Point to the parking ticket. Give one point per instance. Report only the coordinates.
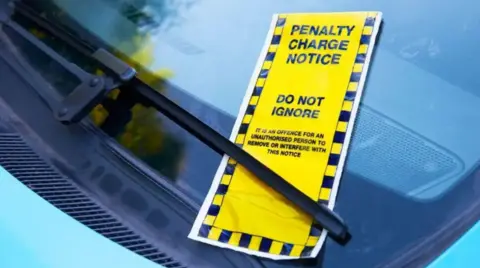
(296, 118)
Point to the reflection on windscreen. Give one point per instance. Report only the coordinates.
(197, 39)
(420, 96)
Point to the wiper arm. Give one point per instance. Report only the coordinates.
(132, 90)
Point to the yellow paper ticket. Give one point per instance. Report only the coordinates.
(296, 118)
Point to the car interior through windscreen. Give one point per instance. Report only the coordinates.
(409, 187)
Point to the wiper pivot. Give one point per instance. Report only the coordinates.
(83, 98)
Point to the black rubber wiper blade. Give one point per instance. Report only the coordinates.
(141, 92)
(321, 214)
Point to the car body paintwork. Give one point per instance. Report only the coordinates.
(35, 234)
(463, 253)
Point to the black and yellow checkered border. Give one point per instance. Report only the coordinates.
(263, 244)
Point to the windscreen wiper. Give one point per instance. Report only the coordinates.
(93, 89)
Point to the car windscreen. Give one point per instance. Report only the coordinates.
(412, 166)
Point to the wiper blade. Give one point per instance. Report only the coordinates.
(132, 90)
(321, 214)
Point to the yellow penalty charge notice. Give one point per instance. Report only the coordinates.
(296, 118)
